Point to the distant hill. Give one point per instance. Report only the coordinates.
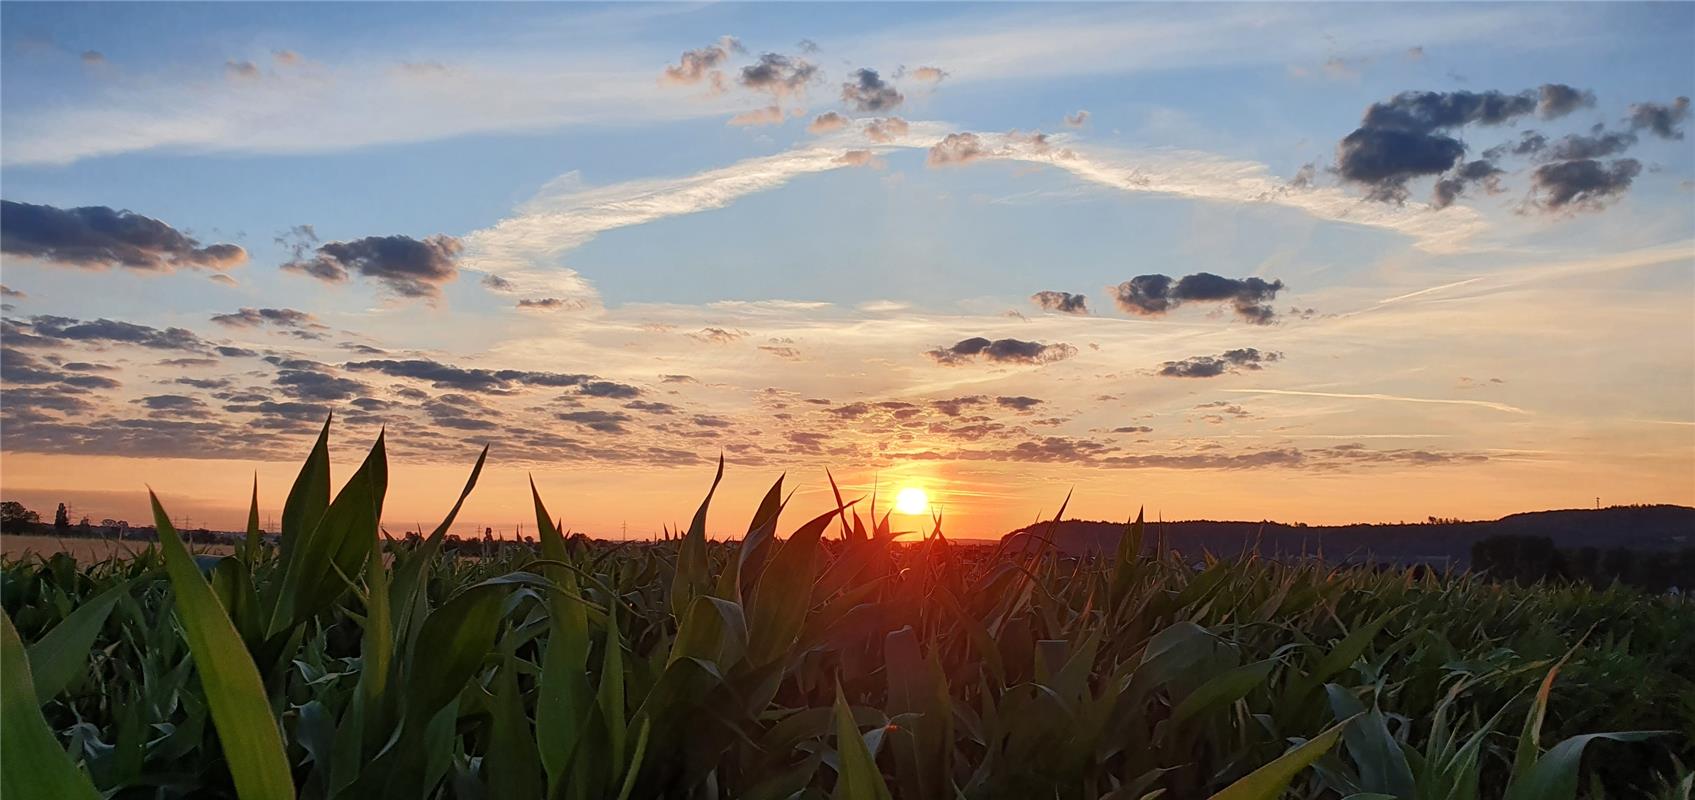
(1640, 528)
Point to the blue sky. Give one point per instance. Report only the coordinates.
(543, 146)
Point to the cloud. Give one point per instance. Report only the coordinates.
(256, 317)
(778, 75)
(603, 421)
(1132, 429)
(241, 70)
(1406, 137)
(447, 376)
(1001, 351)
(312, 382)
(1601, 144)
(1077, 119)
(409, 267)
(1152, 295)
(1018, 402)
(769, 115)
(807, 46)
(99, 237)
(717, 335)
(860, 158)
(287, 58)
(957, 148)
(41, 330)
(547, 304)
(93, 57)
(927, 74)
(887, 129)
(1212, 366)
(1662, 120)
(1583, 185)
(1064, 302)
(827, 122)
(1472, 173)
(869, 93)
(611, 389)
(1503, 407)
(695, 65)
(7, 291)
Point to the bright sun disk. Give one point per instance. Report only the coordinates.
(912, 500)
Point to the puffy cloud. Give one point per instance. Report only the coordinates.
(1584, 184)
(1598, 145)
(1077, 119)
(1149, 295)
(1248, 358)
(313, 382)
(827, 122)
(928, 74)
(409, 267)
(957, 148)
(241, 70)
(256, 317)
(287, 58)
(100, 237)
(171, 403)
(1450, 187)
(870, 93)
(93, 57)
(1407, 137)
(547, 304)
(695, 65)
(1064, 302)
(1001, 351)
(1662, 120)
(1018, 402)
(7, 291)
(779, 75)
(1529, 143)
(886, 129)
(717, 335)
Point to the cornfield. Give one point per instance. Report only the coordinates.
(833, 662)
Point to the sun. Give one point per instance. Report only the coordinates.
(912, 500)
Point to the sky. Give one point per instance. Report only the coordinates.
(1316, 263)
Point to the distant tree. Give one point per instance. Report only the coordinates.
(61, 519)
(84, 524)
(14, 518)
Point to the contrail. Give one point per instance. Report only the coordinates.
(1480, 403)
(1410, 295)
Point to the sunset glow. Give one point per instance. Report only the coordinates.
(912, 500)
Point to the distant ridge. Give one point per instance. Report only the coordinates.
(1647, 528)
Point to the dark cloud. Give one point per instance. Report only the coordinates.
(1148, 295)
(171, 403)
(255, 317)
(1450, 187)
(807, 46)
(1078, 119)
(1001, 351)
(241, 70)
(651, 407)
(779, 75)
(1212, 366)
(1133, 429)
(954, 406)
(1556, 100)
(90, 382)
(677, 379)
(1529, 143)
(99, 237)
(409, 267)
(1584, 184)
(1408, 136)
(543, 303)
(316, 383)
(447, 376)
(204, 383)
(868, 92)
(42, 330)
(1662, 120)
(603, 421)
(1600, 144)
(1064, 302)
(7, 291)
(497, 283)
(610, 389)
(236, 352)
(1017, 402)
(717, 335)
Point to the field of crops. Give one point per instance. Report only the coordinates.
(827, 662)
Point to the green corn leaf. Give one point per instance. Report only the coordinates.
(326, 557)
(1223, 689)
(452, 643)
(255, 537)
(35, 764)
(241, 712)
(611, 692)
(1269, 781)
(783, 594)
(859, 778)
(1554, 775)
(513, 765)
(691, 578)
(62, 655)
(310, 495)
(564, 699)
